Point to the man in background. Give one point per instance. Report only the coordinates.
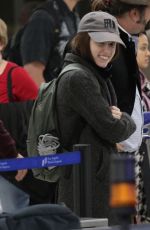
(132, 16)
(45, 37)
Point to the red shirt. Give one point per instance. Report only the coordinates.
(23, 87)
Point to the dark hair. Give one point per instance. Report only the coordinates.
(80, 45)
(115, 7)
(75, 45)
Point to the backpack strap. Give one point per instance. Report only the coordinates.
(9, 84)
(72, 66)
(67, 68)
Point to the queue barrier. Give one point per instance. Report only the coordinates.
(80, 158)
(60, 159)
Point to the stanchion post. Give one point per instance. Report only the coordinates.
(82, 182)
(123, 191)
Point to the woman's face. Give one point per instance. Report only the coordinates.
(143, 53)
(140, 19)
(102, 52)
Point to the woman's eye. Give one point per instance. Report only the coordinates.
(143, 48)
(112, 44)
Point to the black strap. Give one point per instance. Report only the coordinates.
(9, 84)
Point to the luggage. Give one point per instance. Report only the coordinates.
(40, 217)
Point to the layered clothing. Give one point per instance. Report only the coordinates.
(84, 98)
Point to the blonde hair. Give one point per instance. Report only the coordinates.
(3, 33)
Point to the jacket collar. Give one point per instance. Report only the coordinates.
(103, 72)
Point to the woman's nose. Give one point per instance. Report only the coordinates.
(106, 48)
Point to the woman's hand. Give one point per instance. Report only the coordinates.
(120, 147)
(116, 113)
(21, 173)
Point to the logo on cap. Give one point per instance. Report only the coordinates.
(108, 23)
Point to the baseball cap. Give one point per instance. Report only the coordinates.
(137, 2)
(101, 27)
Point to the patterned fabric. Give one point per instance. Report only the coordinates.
(145, 84)
(141, 207)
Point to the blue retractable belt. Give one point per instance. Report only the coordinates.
(69, 158)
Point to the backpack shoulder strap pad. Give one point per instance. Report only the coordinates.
(72, 66)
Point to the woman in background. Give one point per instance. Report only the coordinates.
(143, 185)
(23, 87)
(16, 117)
(8, 149)
(11, 197)
(143, 60)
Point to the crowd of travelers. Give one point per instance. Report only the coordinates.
(100, 103)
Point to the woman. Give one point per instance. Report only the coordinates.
(23, 87)
(15, 118)
(15, 86)
(142, 169)
(143, 60)
(86, 105)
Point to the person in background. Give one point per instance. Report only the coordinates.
(23, 87)
(11, 197)
(12, 49)
(132, 17)
(143, 60)
(8, 149)
(87, 107)
(43, 41)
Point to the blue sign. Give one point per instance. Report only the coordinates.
(61, 159)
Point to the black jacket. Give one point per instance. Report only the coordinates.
(125, 75)
(84, 98)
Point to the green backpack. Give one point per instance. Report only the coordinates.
(43, 123)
